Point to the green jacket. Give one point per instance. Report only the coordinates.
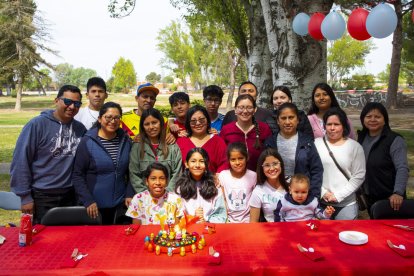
(138, 165)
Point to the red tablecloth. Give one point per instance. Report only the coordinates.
(259, 248)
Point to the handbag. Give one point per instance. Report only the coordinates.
(359, 193)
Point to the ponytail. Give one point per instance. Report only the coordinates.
(257, 144)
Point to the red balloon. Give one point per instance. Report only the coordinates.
(356, 24)
(314, 26)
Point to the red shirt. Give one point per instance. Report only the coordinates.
(215, 148)
(232, 133)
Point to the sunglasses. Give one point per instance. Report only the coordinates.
(69, 102)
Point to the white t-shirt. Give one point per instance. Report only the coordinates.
(266, 197)
(238, 192)
(87, 117)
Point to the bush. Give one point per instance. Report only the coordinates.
(360, 82)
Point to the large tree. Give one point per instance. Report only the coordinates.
(344, 55)
(153, 77)
(407, 55)
(22, 32)
(123, 76)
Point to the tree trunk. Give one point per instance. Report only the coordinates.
(296, 62)
(234, 63)
(19, 92)
(395, 59)
(258, 59)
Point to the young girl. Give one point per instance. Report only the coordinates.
(238, 183)
(150, 206)
(271, 186)
(298, 205)
(197, 188)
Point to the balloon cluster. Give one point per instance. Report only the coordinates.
(362, 24)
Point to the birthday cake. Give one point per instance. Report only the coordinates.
(173, 237)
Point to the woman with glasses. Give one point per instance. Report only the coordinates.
(297, 149)
(153, 148)
(343, 163)
(198, 127)
(271, 186)
(246, 129)
(100, 172)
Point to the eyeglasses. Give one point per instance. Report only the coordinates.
(268, 166)
(243, 108)
(112, 118)
(202, 121)
(213, 100)
(69, 102)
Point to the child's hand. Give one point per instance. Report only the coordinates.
(329, 210)
(199, 213)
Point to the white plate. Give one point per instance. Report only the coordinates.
(353, 237)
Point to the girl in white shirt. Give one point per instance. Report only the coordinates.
(197, 189)
(271, 186)
(237, 183)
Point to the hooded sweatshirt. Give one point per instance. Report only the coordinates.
(44, 155)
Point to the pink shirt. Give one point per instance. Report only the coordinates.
(237, 194)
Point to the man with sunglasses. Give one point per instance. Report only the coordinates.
(42, 163)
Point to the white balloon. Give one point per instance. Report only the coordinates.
(381, 21)
(333, 26)
(300, 24)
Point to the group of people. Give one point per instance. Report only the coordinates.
(249, 165)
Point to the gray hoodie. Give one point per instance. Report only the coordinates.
(44, 155)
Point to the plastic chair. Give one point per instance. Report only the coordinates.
(73, 215)
(382, 210)
(9, 201)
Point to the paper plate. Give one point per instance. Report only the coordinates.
(353, 237)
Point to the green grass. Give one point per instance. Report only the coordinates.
(8, 140)
(7, 216)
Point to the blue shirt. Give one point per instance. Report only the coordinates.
(218, 122)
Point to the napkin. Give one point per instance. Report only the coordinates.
(310, 253)
(132, 229)
(214, 256)
(401, 249)
(38, 228)
(399, 226)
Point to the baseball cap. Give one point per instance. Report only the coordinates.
(147, 87)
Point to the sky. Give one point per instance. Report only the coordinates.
(85, 36)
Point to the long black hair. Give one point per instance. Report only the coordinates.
(186, 186)
(161, 136)
(190, 114)
(261, 177)
(325, 87)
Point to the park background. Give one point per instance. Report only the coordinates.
(184, 45)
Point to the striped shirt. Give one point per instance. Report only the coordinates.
(112, 147)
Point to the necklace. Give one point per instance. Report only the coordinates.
(90, 113)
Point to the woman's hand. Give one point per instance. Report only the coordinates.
(199, 213)
(396, 201)
(329, 197)
(128, 201)
(169, 139)
(92, 210)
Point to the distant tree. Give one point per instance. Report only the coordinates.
(153, 77)
(359, 82)
(22, 32)
(168, 79)
(39, 82)
(175, 44)
(65, 73)
(124, 76)
(384, 76)
(344, 55)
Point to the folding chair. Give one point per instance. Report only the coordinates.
(382, 210)
(73, 215)
(9, 201)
